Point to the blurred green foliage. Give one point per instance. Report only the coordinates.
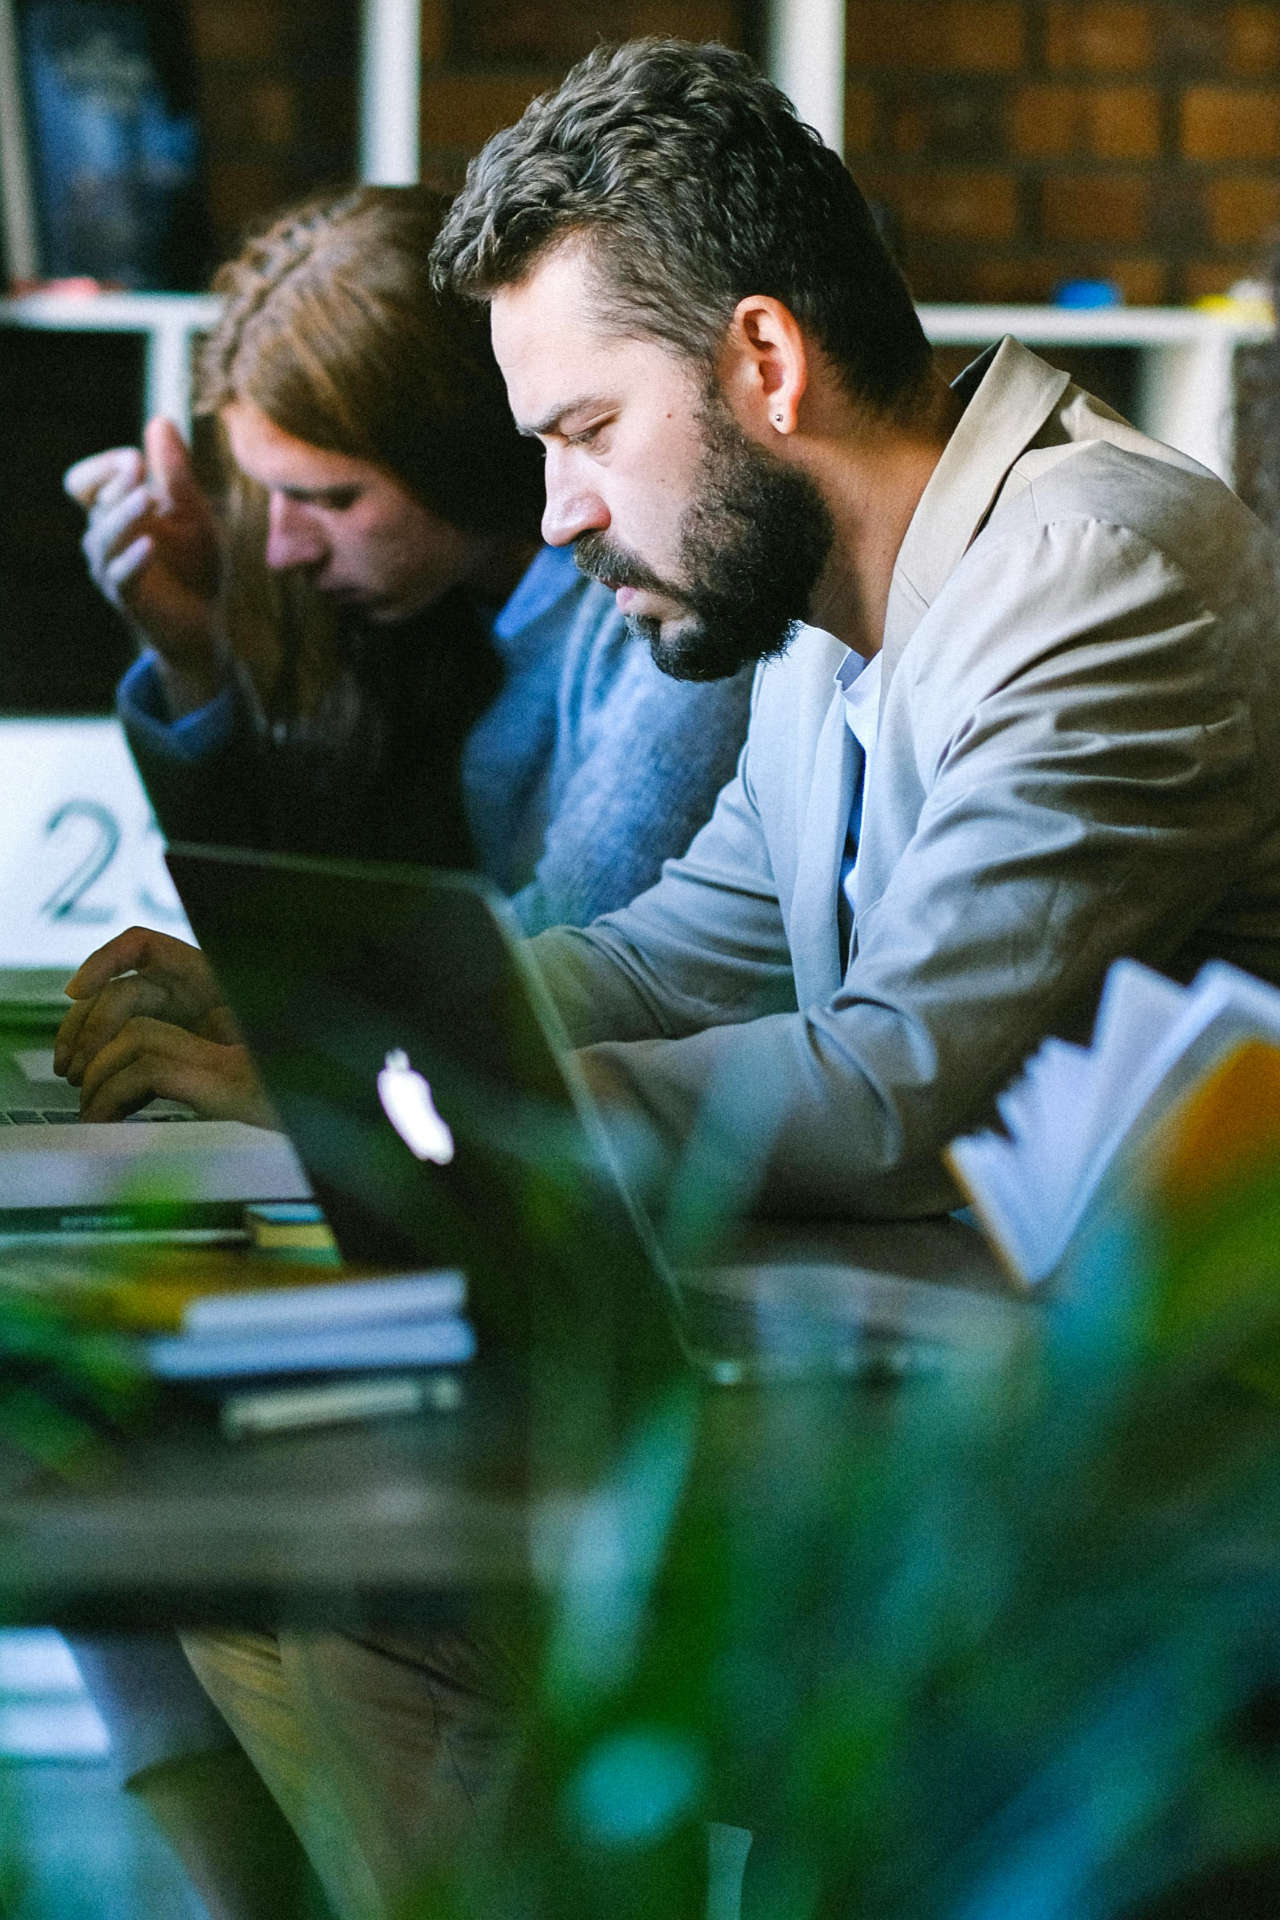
(996, 1643)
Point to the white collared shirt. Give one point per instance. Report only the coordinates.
(859, 682)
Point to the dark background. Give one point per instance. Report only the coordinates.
(1012, 144)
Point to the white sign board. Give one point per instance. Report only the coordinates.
(81, 857)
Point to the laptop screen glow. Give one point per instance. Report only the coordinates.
(81, 857)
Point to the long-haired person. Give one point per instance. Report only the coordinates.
(357, 644)
(354, 642)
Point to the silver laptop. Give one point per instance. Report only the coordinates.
(81, 859)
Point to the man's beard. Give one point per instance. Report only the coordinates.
(752, 547)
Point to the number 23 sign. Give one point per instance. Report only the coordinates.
(80, 854)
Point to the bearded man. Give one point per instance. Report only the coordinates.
(1036, 729)
(1030, 729)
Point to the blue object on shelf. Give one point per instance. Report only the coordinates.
(1088, 293)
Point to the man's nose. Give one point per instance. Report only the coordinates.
(293, 539)
(573, 507)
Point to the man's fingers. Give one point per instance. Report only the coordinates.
(149, 1059)
(121, 1093)
(142, 949)
(118, 468)
(142, 1062)
(127, 951)
(64, 1041)
(140, 970)
(105, 1015)
(127, 479)
(221, 1024)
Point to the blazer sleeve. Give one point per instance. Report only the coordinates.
(1092, 791)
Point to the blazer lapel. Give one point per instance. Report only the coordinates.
(1010, 394)
(813, 929)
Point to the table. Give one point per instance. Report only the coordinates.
(355, 1524)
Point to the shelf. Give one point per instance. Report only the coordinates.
(1185, 388)
(169, 320)
(1087, 326)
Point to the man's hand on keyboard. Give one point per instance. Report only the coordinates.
(150, 1023)
(152, 1059)
(139, 973)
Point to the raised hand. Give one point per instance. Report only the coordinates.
(152, 548)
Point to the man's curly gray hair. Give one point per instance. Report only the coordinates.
(695, 185)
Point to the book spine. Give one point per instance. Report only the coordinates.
(442, 1342)
(333, 1304)
(189, 1224)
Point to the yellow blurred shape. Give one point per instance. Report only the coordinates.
(1225, 1131)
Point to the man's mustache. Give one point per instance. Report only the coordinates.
(599, 559)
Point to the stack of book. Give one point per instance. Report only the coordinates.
(282, 1337)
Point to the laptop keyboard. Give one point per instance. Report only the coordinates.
(60, 1116)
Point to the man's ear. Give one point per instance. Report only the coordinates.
(765, 366)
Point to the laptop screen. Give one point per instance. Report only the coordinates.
(81, 857)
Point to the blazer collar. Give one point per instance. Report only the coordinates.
(1009, 394)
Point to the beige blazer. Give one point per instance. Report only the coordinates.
(1077, 759)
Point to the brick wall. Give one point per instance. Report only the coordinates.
(278, 100)
(1013, 143)
(483, 60)
(1018, 143)
(279, 81)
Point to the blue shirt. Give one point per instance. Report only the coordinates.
(584, 772)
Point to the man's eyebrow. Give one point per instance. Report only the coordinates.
(550, 422)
